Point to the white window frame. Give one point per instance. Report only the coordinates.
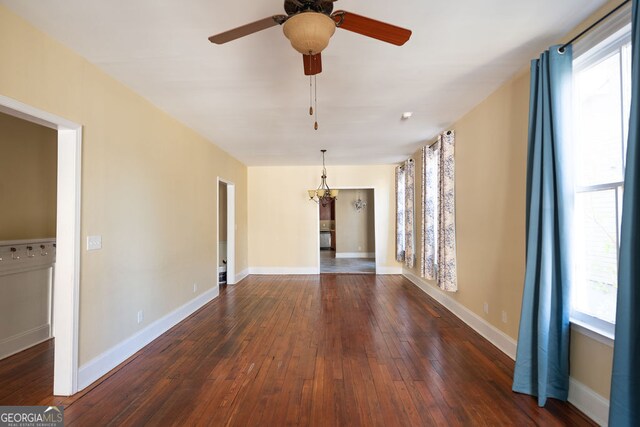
(600, 43)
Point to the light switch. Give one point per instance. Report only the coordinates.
(94, 243)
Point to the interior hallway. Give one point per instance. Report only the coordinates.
(302, 350)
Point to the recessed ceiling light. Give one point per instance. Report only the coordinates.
(407, 115)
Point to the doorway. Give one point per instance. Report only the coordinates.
(66, 278)
(347, 233)
(226, 236)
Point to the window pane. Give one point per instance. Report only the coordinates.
(599, 123)
(595, 289)
(626, 94)
(620, 195)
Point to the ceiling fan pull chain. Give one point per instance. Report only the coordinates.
(315, 80)
(310, 97)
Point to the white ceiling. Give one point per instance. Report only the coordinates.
(251, 98)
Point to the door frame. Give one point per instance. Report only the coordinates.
(375, 222)
(66, 302)
(231, 230)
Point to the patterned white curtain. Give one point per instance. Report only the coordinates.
(409, 196)
(400, 203)
(447, 273)
(438, 261)
(405, 183)
(430, 209)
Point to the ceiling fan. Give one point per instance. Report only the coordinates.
(309, 24)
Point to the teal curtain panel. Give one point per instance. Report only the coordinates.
(624, 409)
(542, 358)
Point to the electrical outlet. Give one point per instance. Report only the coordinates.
(485, 308)
(195, 288)
(94, 243)
(504, 316)
(140, 316)
(359, 248)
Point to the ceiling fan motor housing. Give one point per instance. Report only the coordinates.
(293, 7)
(309, 32)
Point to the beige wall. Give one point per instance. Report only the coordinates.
(355, 231)
(491, 143)
(283, 224)
(28, 165)
(148, 188)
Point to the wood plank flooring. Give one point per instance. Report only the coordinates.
(343, 350)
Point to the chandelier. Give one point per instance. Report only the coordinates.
(323, 194)
(359, 204)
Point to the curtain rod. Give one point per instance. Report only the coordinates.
(561, 49)
(434, 142)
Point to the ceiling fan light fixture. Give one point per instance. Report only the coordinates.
(309, 32)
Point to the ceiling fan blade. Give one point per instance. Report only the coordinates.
(245, 30)
(371, 28)
(312, 64)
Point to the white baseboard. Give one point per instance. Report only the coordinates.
(388, 270)
(16, 343)
(589, 402)
(310, 270)
(284, 270)
(582, 397)
(97, 367)
(355, 255)
(240, 276)
(307, 270)
(498, 338)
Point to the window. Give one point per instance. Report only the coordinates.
(602, 97)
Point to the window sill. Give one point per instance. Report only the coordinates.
(596, 334)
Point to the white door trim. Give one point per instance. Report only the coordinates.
(231, 229)
(66, 303)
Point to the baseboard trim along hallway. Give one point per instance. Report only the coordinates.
(276, 271)
(582, 397)
(16, 343)
(240, 276)
(99, 366)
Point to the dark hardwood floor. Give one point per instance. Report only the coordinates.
(301, 350)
